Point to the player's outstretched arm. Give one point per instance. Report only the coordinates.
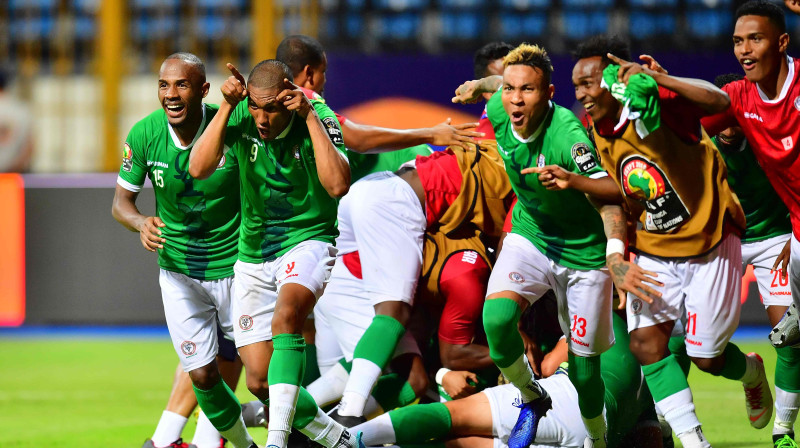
(471, 91)
(555, 178)
(209, 148)
(332, 167)
(124, 210)
(368, 139)
(628, 277)
(704, 94)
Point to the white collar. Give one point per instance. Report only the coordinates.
(177, 142)
(286, 130)
(538, 130)
(786, 84)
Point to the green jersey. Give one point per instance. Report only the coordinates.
(283, 201)
(765, 212)
(563, 225)
(201, 216)
(363, 164)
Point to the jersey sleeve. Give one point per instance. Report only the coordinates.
(331, 124)
(579, 155)
(134, 165)
(234, 128)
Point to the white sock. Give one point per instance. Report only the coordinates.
(786, 406)
(678, 410)
(169, 428)
(363, 377)
(282, 401)
(378, 431)
(751, 371)
(520, 374)
(323, 430)
(372, 409)
(254, 414)
(237, 435)
(595, 427)
(205, 436)
(330, 386)
(694, 438)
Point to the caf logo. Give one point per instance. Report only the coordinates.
(245, 322)
(636, 306)
(516, 277)
(188, 348)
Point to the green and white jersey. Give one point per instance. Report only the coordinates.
(201, 216)
(563, 225)
(283, 201)
(363, 164)
(765, 212)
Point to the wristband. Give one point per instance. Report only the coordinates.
(615, 246)
(440, 375)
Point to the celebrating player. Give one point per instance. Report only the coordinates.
(195, 232)
(557, 241)
(648, 135)
(291, 172)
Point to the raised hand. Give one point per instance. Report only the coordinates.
(294, 99)
(652, 64)
(469, 92)
(150, 233)
(234, 88)
(446, 134)
(628, 69)
(630, 278)
(553, 177)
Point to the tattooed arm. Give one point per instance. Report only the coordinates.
(628, 277)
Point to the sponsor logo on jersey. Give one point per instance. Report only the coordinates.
(636, 306)
(332, 126)
(245, 322)
(127, 156)
(797, 103)
(788, 143)
(221, 162)
(753, 116)
(470, 257)
(157, 163)
(540, 161)
(188, 348)
(289, 267)
(583, 157)
(516, 277)
(646, 182)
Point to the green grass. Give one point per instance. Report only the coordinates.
(87, 393)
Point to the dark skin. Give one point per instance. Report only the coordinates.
(761, 51)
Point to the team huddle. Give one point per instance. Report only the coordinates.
(556, 278)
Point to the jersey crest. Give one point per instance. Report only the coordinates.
(582, 155)
(646, 182)
(332, 126)
(127, 155)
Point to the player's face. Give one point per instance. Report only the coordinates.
(494, 68)
(271, 117)
(586, 77)
(525, 96)
(181, 89)
(731, 137)
(758, 46)
(319, 75)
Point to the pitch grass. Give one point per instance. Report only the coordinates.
(89, 393)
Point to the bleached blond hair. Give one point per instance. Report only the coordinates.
(531, 55)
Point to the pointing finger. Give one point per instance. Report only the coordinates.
(235, 73)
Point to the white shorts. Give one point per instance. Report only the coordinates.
(794, 271)
(193, 308)
(382, 219)
(342, 315)
(584, 297)
(258, 284)
(705, 288)
(562, 426)
(773, 288)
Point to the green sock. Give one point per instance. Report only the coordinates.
(665, 378)
(306, 409)
(380, 340)
(393, 391)
(421, 423)
(584, 372)
(288, 359)
(500, 318)
(677, 346)
(787, 369)
(220, 405)
(312, 369)
(735, 363)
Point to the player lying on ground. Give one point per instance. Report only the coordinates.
(485, 420)
(195, 232)
(292, 169)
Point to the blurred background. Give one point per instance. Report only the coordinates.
(75, 75)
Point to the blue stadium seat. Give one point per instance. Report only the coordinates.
(525, 5)
(709, 23)
(153, 4)
(85, 28)
(31, 29)
(15, 5)
(398, 27)
(522, 26)
(580, 25)
(210, 27)
(86, 6)
(709, 4)
(353, 25)
(594, 4)
(400, 5)
(215, 4)
(646, 24)
(460, 4)
(661, 4)
(463, 25)
(151, 28)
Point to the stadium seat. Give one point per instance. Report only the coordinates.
(32, 28)
(400, 5)
(584, 4)
(525, 5)
(40, 5)
(661, 4)
(460, 4)
(147, 28)
(644, 25)
(514, 26)
(580, 25)
(210, 27)
(705, 24)
(400, 27)
(215, 4)
(154, 4)
(708, 4)
(468, 25)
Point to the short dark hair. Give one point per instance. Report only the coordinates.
(764, 8)
(601, 45)
(532, 56)
(488, 53)
(190, 59)
(727, 78)
(298, 51)
(268, 74)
